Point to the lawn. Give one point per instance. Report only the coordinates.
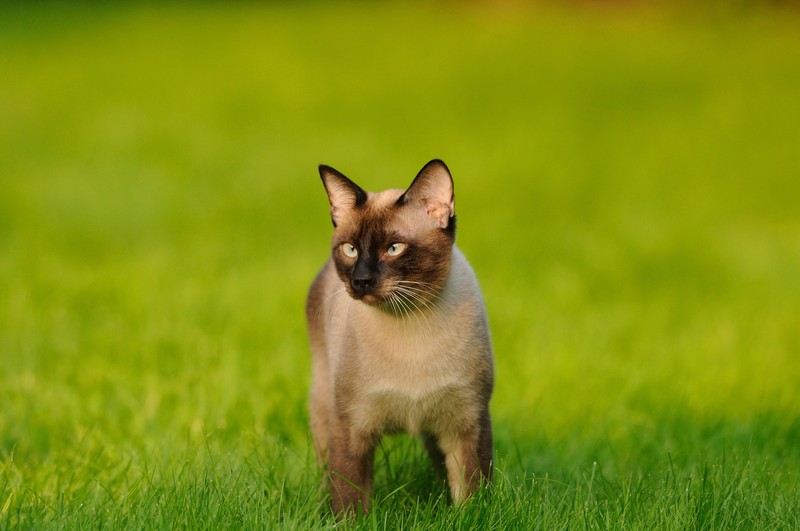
(628, 192)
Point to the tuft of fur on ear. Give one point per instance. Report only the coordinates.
(343, 193)
(432, 190)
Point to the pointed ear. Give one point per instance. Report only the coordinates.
(432, 190)
(343, 193)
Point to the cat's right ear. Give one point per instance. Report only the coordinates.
(343, 193)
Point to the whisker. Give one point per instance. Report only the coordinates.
(396, 307)
(408, 308)
(405, 303)
(324, 302)
(409, 301)
(422, 287)
(423, 296)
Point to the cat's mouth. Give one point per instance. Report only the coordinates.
(398, 302)
(372, 300)
(367, 297)
(366, 292)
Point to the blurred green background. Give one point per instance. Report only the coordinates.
(627, 183)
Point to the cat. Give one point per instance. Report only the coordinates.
(399, 338)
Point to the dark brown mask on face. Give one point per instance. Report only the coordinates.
(393, 249)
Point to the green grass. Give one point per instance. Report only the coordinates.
(627, 190)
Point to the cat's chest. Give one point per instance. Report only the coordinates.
(412, 361)
(410, 385)
(410, 366)
(414, 357)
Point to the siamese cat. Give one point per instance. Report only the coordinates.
(399, 338)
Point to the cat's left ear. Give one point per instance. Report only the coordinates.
(432, 189)
(343, 193)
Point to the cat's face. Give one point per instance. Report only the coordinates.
(393, 249)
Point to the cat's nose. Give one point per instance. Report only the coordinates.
(362, 285)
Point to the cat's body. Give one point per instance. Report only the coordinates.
(399, 337)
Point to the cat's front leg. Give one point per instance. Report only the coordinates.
(351, 457)
(468, 459)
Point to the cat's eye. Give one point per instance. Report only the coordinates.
(395, 249)
(349, 251)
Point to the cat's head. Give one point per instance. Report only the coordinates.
(393, 249)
